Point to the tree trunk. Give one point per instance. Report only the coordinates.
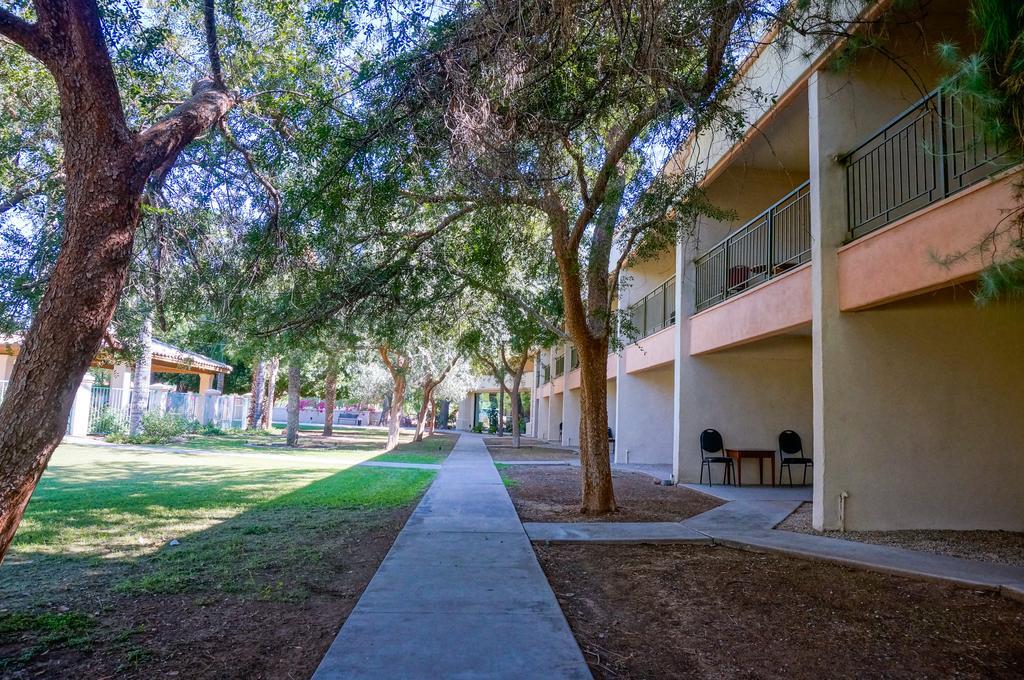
(294, 385)
(106, 167)
(330, 394)
(140, 377)
(395, 412)
(269, 392)
(501, 408)
(421, 415)
(253, 419)
(443, 416)
(517, 378)
(433, 416)
(597, 493)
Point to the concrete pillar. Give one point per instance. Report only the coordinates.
(205, 382)
(464, 419)
(80, 410)
(121, 388)
(209, 411)
(121, 377)
(684, 308)
(158, 394)
(570, 407)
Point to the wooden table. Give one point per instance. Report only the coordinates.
(759, 454)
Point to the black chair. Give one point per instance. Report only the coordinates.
(791, 452)
(711, 443)
(611, 441)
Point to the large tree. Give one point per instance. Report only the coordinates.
(567, 112)
(136, 92)
(106, 167)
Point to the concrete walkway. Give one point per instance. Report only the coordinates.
(460, 594)
(748, 520)
(613, 532)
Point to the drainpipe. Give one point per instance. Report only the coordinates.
(842, 510)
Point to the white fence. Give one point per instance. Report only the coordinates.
(109, 408)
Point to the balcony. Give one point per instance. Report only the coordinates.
(656, 311)
(777, 240)
(930, 151)
(559, 366)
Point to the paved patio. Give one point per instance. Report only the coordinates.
(460, 594)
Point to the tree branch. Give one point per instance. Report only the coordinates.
(581, 170)
(519, 302)
(210, 19)
(616, 151)
(165, 140)
(273, 195)
(23, 34)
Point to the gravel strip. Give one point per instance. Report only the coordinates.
(1000, 547)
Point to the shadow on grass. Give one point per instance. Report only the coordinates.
(96, 537)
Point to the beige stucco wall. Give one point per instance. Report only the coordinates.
(643, 430)
(925, 428)
(749, 394)
(612, 406)
(916, 403)
(571, 418)
(543, 417)
(465, 413)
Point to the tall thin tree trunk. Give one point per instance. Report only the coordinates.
(517, 378)
(442, 417)
(395, 412)
(596, 488)
(421, 415)
(294, 385)
(501, 408)
(433, 416)
(252, 420)
(270, 387)
(330, 393)
(141, 375)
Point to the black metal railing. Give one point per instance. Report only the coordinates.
(547, 374)
(774, 242)
(559, 366)
(656, 311)
(574, 359)
(930, 151)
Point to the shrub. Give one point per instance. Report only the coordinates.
(478, 428)
(157, 428)
(108, 421)
(211, 429)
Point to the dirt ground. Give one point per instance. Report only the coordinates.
(552, 494)
(504, 451)
(208, 635)
(1004, 547)
(664, 611)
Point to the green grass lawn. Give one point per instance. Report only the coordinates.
(348, 443)
(99, 530)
